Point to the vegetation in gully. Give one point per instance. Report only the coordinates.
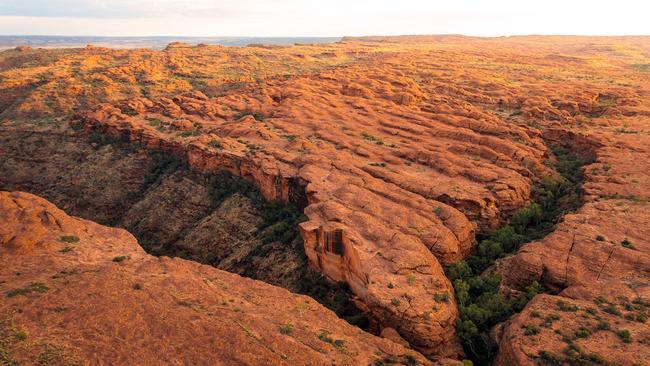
(480, 304)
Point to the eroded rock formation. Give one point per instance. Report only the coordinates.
(71, 288)
(399, 149)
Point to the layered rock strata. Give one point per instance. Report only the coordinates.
(71, 289)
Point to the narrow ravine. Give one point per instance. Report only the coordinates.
(482, 301)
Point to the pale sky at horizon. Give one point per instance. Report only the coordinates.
(296, 18)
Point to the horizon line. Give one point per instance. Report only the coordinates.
(339, 36)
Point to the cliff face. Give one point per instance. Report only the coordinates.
(399, 150)
(71, 288)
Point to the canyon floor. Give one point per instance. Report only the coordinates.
(452, 198)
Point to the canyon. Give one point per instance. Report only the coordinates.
(364, 168)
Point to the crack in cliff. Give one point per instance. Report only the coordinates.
(606, 261)
(566, 265)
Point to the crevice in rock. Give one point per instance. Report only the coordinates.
(568, 258)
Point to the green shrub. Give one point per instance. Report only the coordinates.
(624, 335)
(530, 329)
(602, 325)
(627, 244)
(567, 307)
(582, 333)
(33, 287)
(550, 358)
(286, 329)
(410, 278)
(70, 239)
(441, 297)
(154, 122)
(215, 145)
(368, 137)
(612, 309)
(259, 116)
(410, 360)
(549, 319)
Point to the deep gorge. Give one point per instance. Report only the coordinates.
(482, 301)
(217, 219)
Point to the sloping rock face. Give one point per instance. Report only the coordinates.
(597, 262)
(556, 330)
(71, 288)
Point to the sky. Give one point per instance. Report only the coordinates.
(296, 18)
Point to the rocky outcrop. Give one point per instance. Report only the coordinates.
(557, 330)
(597, 261)
(71, 288)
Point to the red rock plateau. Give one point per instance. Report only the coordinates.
(400, 150)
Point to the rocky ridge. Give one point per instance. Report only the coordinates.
(71, 288)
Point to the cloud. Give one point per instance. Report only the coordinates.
(322, 18)
(117, 9)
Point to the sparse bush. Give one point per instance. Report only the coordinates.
(368, 137)
(602, 325)
(550, 358)
(258, 116)
(20, 335)
(286, 329)
(154, 122)
(624, 335)
(381, 164)
(216, 145)
(70, 239)
(567, 307)
(410, 360)
(410, 278)
(612, 309)
(549, 319)
(33, 287)
(627, 244)
(441, 297)
(530, 329)
(582, 333)
(119, 259)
